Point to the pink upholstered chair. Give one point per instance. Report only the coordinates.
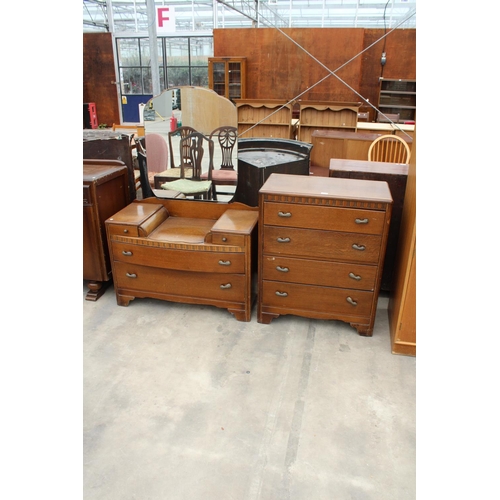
(156, 155)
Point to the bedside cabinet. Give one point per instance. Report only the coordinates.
(105, 191)
(322, 243)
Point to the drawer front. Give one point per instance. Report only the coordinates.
(316, 298)
(123, 229)
(237, 240)
(328, 218)
(182, 260)
(351, 247)
(180, 283)
(318, 272)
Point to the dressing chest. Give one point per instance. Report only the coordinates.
(184, 251)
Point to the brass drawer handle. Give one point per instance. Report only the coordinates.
(358, 247)
(354, 276)
(131, 275)
(283, 240)
(225, 262)
(226, 286)
(281, 294)
(361, 221)
(127, 253)
(282, 269)
(284, 214)
(352, 302)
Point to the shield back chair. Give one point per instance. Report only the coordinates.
(148, 192)
(173, 171)
(225, 175)
(389, 148)
(193, 147)
(155, 153)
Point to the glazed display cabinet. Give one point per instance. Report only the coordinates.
(227, 76)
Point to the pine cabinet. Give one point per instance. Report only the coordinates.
(264, 118)
(327, 116)
(227, 76)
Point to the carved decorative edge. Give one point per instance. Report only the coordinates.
(327, 202)
(203, 247)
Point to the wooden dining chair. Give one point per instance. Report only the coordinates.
(184, 158)
(193, 147)
(225, 175)
(389, 148)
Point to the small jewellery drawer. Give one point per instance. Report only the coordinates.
(123, 230)
(352, 220)
(237, 240)
(188, 260)
(180, 283)
(350, 247)
(317, 272)
(320, 299)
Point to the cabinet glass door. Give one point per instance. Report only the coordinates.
(219, 77)
(234, 74)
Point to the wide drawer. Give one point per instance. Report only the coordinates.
(180, 283)
(319, 272)
(319, 299)
(351, 247)
(182, 260)
(320, 217)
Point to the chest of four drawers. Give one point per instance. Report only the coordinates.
(321, 248)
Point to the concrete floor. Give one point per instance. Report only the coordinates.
(183, 402)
